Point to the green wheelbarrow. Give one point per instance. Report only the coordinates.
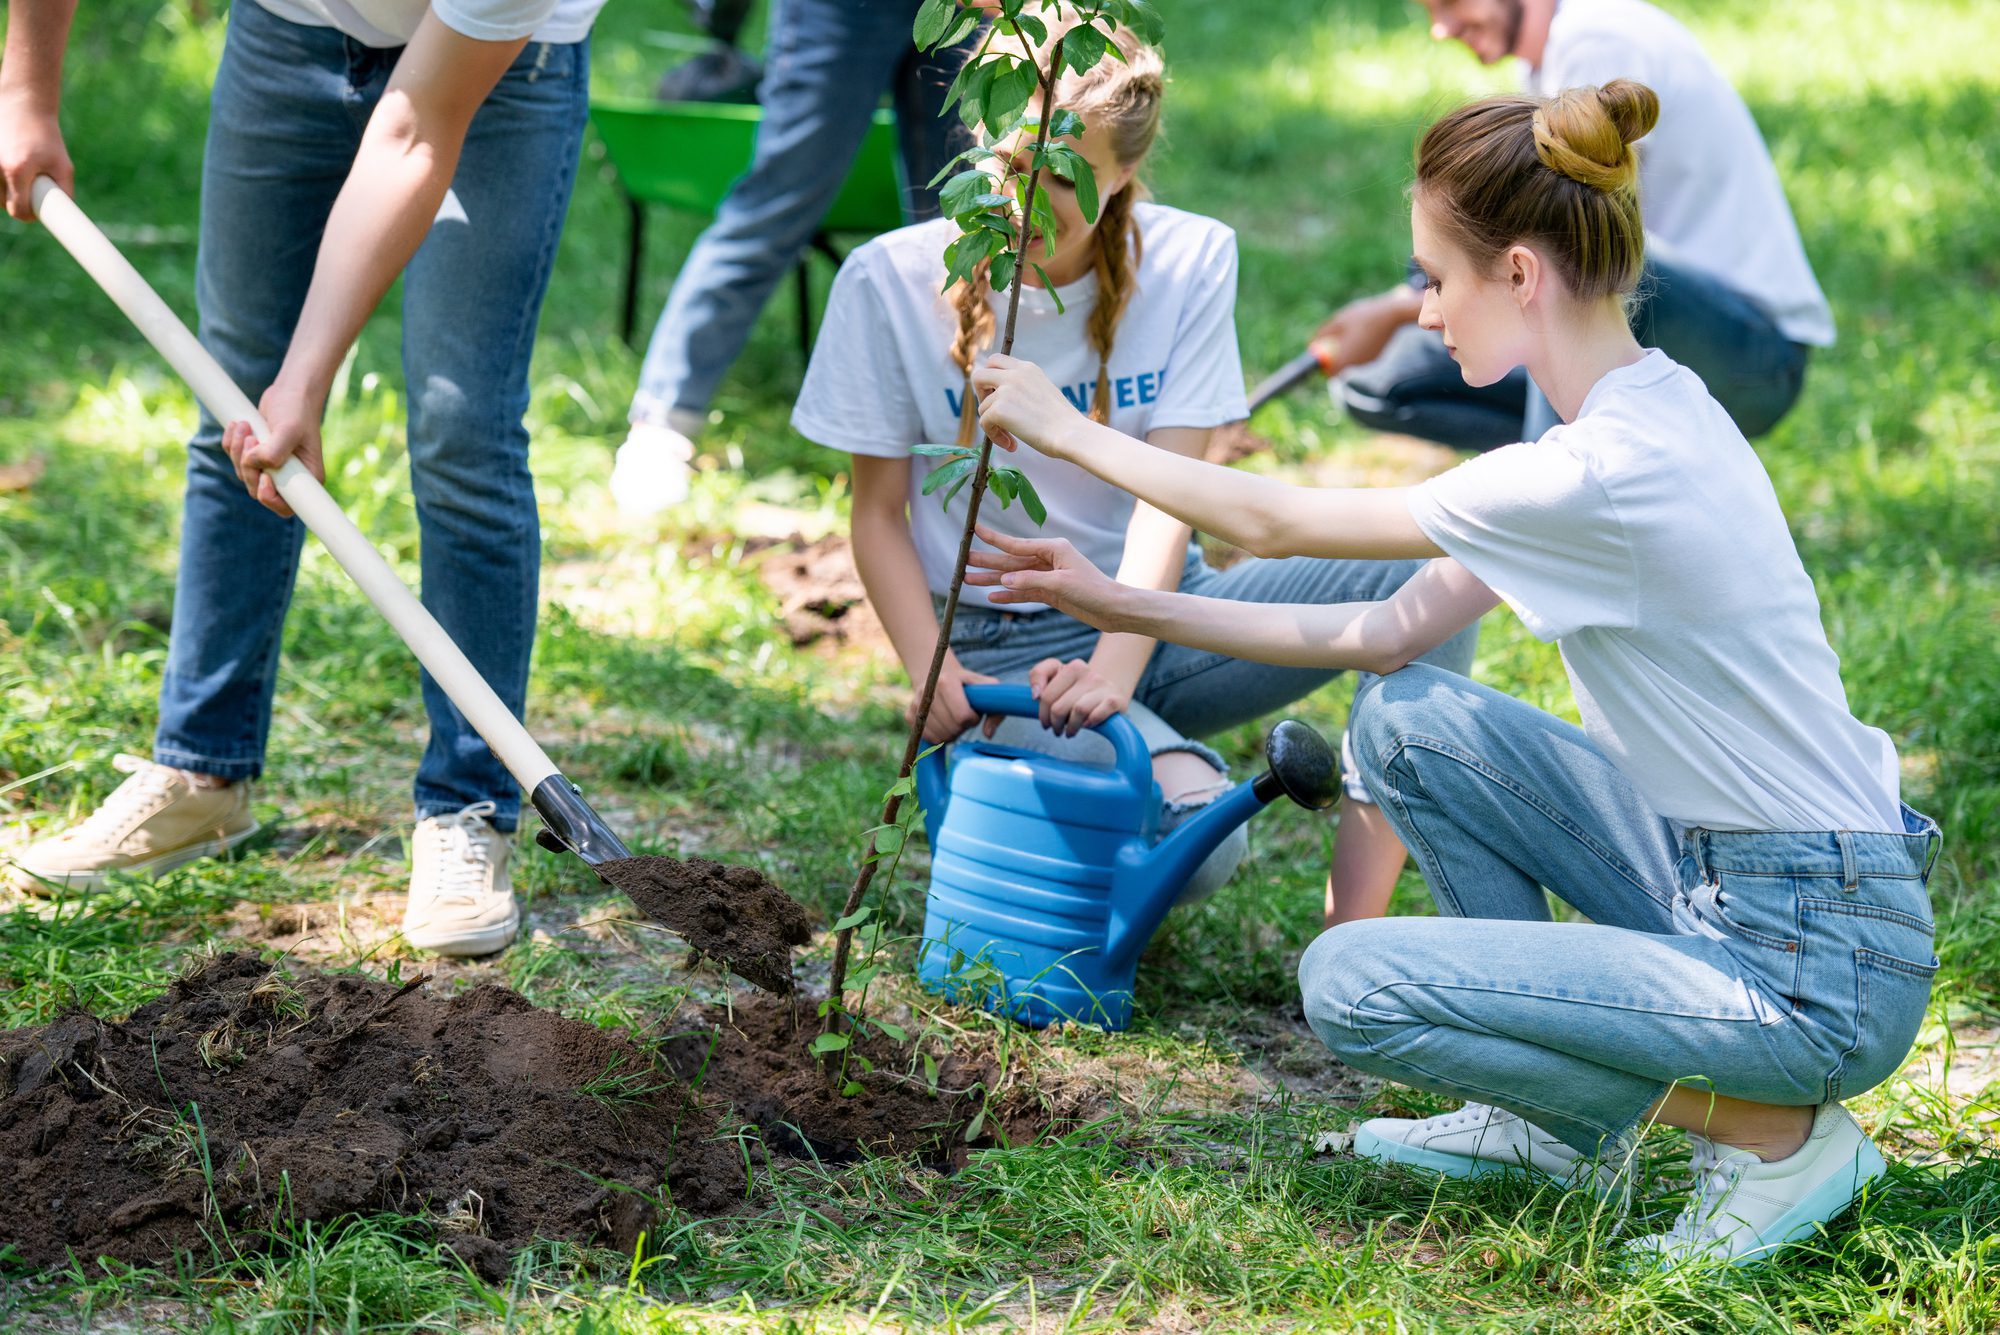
(687, 155)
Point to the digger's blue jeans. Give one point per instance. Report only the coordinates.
(1790, 967)
(288, 110)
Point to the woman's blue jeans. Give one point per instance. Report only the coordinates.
(1789, 968)
(1196, 691)
(289, 106)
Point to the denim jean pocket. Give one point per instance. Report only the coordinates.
(1869, 953)
(1761, 913)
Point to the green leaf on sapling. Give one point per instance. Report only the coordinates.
(1030, 500)
(1001, 483)
(1034, 27)
(1042, 219)
(930, 1071)
(1008, 91)
(860, 978)
(854, 919)
(1003, 271)
(826, 1043)
(1054, 295)
(967, 192)
(1085, 181)
(947, 474)
(894, 1031)
(1084, 46)
(933, 20)
(1064, 124)
(850, 1089)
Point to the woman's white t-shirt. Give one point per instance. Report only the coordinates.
(1645, 539)
(882, 379)
(386, 23)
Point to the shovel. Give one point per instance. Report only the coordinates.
(731, 913)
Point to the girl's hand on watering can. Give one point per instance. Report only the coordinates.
(1074, 695)
(1046, 570)
(1018, 403)
(294, 431)
(951, 714)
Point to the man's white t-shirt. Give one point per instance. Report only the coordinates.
(882, 379)
(1644, 538)
(386, 23)
(1707, 186)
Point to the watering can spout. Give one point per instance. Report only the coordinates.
(1147, 882)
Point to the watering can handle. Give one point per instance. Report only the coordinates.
(1134, 758)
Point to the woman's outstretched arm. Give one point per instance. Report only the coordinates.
(1436, 603)
(1262, 516)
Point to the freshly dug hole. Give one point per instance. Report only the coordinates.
(243, 1097)
(753, 1058)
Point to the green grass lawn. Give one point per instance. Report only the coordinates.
(663, 683)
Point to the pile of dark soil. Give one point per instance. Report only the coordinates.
(754, 1059)
(733, 913)
(243, 1097)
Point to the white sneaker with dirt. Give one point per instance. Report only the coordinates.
(158, 819)
(1479, 1139)
(1742, 1209)
(461, 897)
(652, 470)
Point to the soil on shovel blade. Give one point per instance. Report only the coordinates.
(243, 1097)
(732, 913)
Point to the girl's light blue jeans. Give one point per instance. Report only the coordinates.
(1789, 968)
(1195, 692)
(289, 107)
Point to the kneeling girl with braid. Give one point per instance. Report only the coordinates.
(1759, 943)
(1140, 334)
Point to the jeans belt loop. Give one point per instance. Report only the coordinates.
(1850, 878)
(1701, 855)
(1934, 841)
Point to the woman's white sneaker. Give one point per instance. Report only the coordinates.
(1743, 1209)
(156, 820)
(461, 896)
(1479, 1139)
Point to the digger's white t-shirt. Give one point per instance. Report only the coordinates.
(882, 379)
(1707, 187)
(385, 23)
(1644, 538)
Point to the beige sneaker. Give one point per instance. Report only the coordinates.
(461, 898)
(153, 822)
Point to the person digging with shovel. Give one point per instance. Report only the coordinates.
(348, 144)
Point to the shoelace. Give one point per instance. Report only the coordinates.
(1467, 1116)
(149, 782)
(464, 862)
(1714, 1177)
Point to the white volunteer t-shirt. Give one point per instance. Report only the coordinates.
(1706, 182)
(385, 23)
(1645, 539)
(882, 379)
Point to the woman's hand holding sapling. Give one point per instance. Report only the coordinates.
(1018, 402)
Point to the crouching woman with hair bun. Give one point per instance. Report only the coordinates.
(1760, 943)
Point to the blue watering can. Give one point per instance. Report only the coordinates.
(1046, 882)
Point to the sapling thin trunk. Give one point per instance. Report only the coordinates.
(1045, 78)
